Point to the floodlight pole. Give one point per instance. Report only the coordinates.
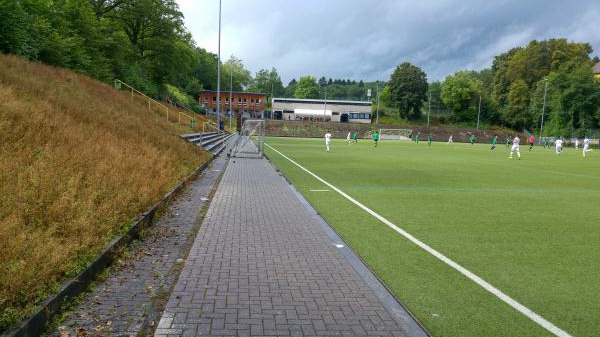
(543, 109)
(219, 73)
(377, 111)
(478, 111)
(230, 96)
(429, 109)
(272, 93)
(325, 106)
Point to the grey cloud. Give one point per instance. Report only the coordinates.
(362, 39)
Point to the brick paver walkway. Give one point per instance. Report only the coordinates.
(130, 301)
(262, 265)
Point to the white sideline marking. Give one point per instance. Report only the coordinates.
(319, 190)
(487, 286)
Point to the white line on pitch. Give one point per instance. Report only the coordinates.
(487, 286)
(319, 190)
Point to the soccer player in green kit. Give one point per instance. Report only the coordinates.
(429, 138)
(473, 139)
(376, 137)
(494, 142)
(418, 137)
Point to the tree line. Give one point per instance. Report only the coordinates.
(141, 42)
(145, 43)
(547, 84)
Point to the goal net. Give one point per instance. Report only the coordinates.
(251, 140)
(395, 134)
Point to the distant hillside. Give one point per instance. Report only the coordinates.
(78, 162)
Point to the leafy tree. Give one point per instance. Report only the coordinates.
(241, 76)
(322, 82)
(22, 27)
(206, 69)
(307, 87)
(102, 7)
(573, 102)
(434, 93)
(408, 89)
(268, 82)
(460, 92)
(290, 88)
(517, 72)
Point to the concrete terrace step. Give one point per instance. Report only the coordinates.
(213, 142)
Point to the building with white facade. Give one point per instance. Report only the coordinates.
(322, 110)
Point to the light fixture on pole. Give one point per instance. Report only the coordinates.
(543, 109)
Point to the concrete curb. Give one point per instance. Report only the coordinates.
(37, 324)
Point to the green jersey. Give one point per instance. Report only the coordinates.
(494, 140)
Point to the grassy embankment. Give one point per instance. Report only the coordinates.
(78, 162)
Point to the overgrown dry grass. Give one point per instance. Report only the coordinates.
(78, 162)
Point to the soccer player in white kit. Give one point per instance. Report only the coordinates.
(450, 140)
(348, 137)
(515, 147)
(327, 140)
(577, 143)
(586, 146)
(558, 145)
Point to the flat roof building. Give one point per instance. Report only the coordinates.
(322, 110)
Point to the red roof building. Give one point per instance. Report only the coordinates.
(245, 104)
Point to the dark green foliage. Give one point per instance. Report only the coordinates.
(408, 89)
(142, 42)
(517, 92)
(307, 88)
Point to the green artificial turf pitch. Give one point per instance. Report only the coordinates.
(530, 227)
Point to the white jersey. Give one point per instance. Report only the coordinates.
(558, 143)
(328, 138)
(586, 145)
(515, 146)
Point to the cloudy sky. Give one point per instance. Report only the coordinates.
(367, 39)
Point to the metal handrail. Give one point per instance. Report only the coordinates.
(207, 124)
